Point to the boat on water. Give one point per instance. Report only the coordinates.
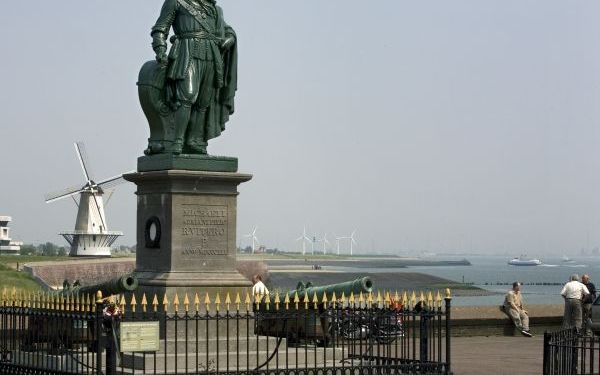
(566, 259)
(524, 261)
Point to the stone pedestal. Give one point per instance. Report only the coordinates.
(186, 232)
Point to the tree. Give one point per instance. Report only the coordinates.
(28, 250)
(62, 252)
(49, 249)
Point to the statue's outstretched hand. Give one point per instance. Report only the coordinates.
(161, 54)
(227, 43)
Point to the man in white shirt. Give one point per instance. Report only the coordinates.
(259, 290)
(573, 293)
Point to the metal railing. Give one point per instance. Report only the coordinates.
(568, 352)
(376, 333)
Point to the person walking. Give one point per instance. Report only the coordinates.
(587, 304)
(513, 306)
(573, 293)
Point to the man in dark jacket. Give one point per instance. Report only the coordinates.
(201, 70)
(587, 304)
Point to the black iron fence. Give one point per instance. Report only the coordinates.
(375, 333)
(568, 352)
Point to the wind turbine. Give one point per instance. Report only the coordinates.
(304, 238)
(325, 243)
(337, 243)
(352, 242)
(254, 239)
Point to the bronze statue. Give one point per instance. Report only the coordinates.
(188, 94)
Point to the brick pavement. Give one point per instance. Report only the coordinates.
(497, 355)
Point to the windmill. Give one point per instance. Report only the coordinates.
(91, 236)
(304, 238)
(254, 239)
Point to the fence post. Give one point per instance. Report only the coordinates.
(574, 350)
(111, 352)
(448, 300)
(546, 363)
(99, 332)
(423, 337)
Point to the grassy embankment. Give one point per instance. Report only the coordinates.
(11, 278)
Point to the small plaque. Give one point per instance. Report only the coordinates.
(140, 337)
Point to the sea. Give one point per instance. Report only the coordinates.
(487, 272)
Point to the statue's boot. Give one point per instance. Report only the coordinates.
(196, 142)
(182, 119)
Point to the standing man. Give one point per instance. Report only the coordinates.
(201, 70)
(573, 292)
(587, 304)
(513, 306)
(259, 290)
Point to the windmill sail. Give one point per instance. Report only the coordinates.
(85, 166)
(51, 197)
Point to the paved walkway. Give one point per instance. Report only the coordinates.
(497, 355)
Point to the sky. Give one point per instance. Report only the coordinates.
(426, 126)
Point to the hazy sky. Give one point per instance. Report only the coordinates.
(424, 125)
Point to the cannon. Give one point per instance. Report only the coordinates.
(306, 322)
(361, 285)
(58, 333)
(123, 284)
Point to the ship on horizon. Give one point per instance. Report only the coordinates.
(524, 261)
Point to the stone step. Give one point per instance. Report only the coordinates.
(203, 345)
(249, 360)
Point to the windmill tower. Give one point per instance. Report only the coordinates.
(91, 236)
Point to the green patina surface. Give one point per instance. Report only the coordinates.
(187, 93)
(187, 162)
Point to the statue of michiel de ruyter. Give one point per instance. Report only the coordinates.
(188, 94)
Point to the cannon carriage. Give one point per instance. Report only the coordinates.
(310, 320)
(60, 329)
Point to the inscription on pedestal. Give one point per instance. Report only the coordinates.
(204, 230)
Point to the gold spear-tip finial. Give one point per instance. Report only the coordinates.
(448, 294)
(133, 303)
(176, 303)
(218, 302)
(197, 302)
(227, 301)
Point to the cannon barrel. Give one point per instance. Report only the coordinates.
(123, 284)
(361, 285)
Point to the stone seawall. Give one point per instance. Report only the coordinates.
(90, 271)
(491, 321)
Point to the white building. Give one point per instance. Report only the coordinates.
(7, 246)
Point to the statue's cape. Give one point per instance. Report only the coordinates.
(225, 103)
